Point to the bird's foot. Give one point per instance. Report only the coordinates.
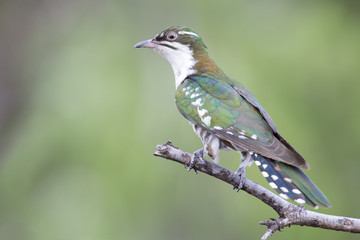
(242, 174)
(198, 154)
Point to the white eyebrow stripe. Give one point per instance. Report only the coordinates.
(190, 33)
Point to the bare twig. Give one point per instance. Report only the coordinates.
(289, 214)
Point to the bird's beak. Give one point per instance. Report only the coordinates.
(150, 43)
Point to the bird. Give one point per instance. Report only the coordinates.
(225, 115)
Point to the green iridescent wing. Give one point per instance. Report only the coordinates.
(252, 100)
(231, 113)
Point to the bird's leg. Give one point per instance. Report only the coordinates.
(245, 160)
(198, 154)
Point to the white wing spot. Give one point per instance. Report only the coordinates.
(274, 177)
(207, 120)
(241, 137)
(254, 136)
(230, 133)
(242, 132)
(265, 174)
(255, 155)
(284, 189)
(299, 200)
(273, 185)
(218, 128)
(265, 166)
(197, 102)
(257, 163)
(202, 112)
(284, 196)
(297, 191)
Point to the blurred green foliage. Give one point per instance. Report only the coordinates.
(82, 111)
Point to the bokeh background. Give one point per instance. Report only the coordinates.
(81, 112)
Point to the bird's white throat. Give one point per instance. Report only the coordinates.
(181, 59)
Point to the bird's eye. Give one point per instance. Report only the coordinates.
(171, 36)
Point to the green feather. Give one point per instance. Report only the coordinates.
(305, 185)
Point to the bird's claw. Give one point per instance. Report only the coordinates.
(242, 174)
(198, 154)
(191, 164)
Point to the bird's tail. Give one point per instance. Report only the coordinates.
(290, 182)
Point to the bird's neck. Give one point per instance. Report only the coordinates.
(193, 62)
(206, 66)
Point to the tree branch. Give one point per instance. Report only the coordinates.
(289, 214)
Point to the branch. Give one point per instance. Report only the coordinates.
(289, 214)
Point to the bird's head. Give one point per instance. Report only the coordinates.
(174, 40)
(183, 48)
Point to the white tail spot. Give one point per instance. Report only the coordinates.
(297, 191)
(274, 177)
(287, 180)
(299, 200)
(273, 185)
(284, 196)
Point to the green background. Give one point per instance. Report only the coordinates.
(81, 112)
